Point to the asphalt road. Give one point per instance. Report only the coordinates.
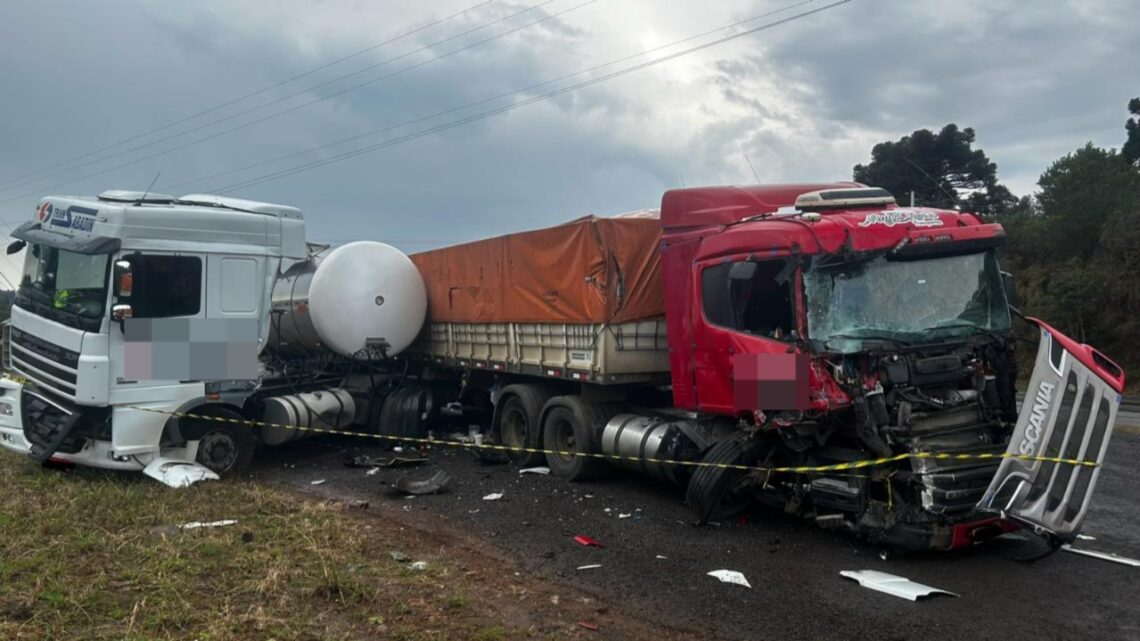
(797, 592)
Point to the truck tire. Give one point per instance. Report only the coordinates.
(571, 434)
(225, 448)
(711, 493)
(518, 422)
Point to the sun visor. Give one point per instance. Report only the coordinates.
(33, 232)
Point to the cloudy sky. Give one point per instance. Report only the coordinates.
(804, 100)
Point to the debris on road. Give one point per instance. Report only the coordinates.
(892, 584)
(385, 461)
(662, 557)
(419, 566)
(588, 541)
(398, 556)
(535, 470)
(1085, 537)
(317, 482)
(1104, 556)
(589, 567)
(624, 515)
(495, 496)
(373, 471)
(176, 473)
(588, 626)
(435, 484)
(730, 576)
(194, 525)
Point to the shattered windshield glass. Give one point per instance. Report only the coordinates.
(905, 301)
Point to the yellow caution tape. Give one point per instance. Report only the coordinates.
(837, 467)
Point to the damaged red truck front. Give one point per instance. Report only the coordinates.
(821, 327)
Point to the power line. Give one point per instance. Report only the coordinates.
(492, 112)
(294, 95)
(508, 94)
(7, 183)
(311, 102)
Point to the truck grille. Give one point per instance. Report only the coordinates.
(47, 364)
(1068, 414)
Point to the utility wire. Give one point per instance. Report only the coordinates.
(469, 105)
(10, 182)
(492, 112)
(295, 94)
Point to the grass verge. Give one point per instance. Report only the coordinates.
(92, 555)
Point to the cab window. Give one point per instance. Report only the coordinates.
(752, 297)
(165, 286)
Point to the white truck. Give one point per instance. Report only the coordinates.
(136, 308)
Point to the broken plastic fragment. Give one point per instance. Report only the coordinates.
(662, 557)
(176, 473)
(435, 484)
(194, 525)
(316, 482)
(1104, 556)
(419, 565)
(1085, 537)
(624, 516)
(588, 626)
(493, 496)
(590, 567)
(731, 576)
(535, 470)
(893, 585)
(588, 541)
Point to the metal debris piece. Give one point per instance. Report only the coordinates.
(385, 461)
(588, 541)
(1085, 537)
(1104, 556)
(176, 473)
(194, 525)
(892, 584)
(730, 576)
(535, 470)
(493, 497)
(589, 567)
(435, 484)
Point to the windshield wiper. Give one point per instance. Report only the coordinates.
(985, 330)
(867, 337)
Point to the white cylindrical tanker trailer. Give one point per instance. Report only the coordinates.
(354, 303)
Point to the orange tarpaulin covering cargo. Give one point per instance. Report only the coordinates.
(590, 270)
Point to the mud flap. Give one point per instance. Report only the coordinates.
(1068, 413)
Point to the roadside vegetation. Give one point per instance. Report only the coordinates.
(95, 555)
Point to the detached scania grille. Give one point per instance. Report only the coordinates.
(47, 364)
(1068, 414)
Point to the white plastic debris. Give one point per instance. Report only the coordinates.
(194, 525)
(730, 576)
(535, 470)
(372, 472)
(589, 567)
(1103, 556)
(176, 473)
(662, 557)
(419, 565)
(1085, 537)
(892, 584)
(316, 482)
(624, 515)
(495, 496)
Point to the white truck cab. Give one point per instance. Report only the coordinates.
(74, 391)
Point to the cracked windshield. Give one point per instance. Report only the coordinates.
(906, 301)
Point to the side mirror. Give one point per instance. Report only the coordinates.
(1010, 287)
(15, 246)
(121, 312)
(742, 271)
(124, 279)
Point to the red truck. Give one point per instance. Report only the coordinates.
(812, 347)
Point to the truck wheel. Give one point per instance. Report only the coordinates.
(570, 433)
(518, 424)
(226, 449)
(713, 492)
